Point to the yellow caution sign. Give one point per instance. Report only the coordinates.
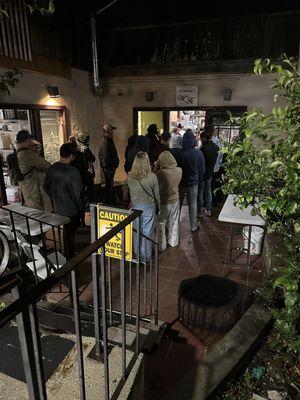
(107, 218)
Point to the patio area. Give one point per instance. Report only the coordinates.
(200, 253)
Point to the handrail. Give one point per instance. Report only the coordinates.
(29, 297)
(30, 217)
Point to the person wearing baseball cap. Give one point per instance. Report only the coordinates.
(109, 161)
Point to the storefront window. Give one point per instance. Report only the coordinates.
(52, 133)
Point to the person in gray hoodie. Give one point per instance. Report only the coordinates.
(193, 169)
(169, 176)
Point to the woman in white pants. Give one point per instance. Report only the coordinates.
(169, 176)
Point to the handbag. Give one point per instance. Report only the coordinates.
(146, 191)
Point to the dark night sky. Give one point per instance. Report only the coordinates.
(145, 12)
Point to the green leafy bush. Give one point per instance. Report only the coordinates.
(263, 169)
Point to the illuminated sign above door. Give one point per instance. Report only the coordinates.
(186, 96)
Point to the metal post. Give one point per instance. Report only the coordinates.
(231, 243)
(55, 247)
(110, 290)
(104, 324)
(156, 284)
(123, 306)
(130, 289)
(249, 245)
(31, 250)
(137, 302)
(15, 237)
(145, 275)
(96, 81)
(44, 249)
(96, 291)
(78, 334)
(150, 281)
(37, 349)
(31, 350)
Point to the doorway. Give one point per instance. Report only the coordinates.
(47, 124)
(187, 119)
(146, 118)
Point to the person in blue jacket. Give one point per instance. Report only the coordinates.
(193, 169)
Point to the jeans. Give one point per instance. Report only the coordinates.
(69, 237)
(168, 219)
(204, 193)
(109, 194)
(147, 226)
(191, 194)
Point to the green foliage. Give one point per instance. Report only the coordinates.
(8, 80)
(44, 7)
(263, 170)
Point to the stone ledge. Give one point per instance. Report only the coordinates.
(226, 359)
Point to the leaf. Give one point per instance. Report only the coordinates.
(236, 151)
(276, 164)
(248, 132)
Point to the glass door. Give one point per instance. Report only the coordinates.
(52, 133)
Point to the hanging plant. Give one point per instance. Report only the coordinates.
(9, 80)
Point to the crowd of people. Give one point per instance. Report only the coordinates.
(162, 170)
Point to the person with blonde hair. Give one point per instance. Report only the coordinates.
(144, 193)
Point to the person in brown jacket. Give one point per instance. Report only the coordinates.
(169, 176)
(33, 168)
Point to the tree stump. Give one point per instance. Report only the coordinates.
(210, 302)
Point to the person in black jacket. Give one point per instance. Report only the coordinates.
(64, 187)
(109, 161)
(193, 169)
(153, 136)
(210, 152)
(141, 144)
(130, 146)
(84, 160)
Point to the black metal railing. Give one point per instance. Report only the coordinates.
(26, 300)
(31, 236)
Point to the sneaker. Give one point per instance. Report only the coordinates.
(201, 213)
(196, 230)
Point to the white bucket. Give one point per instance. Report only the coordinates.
(257, 235)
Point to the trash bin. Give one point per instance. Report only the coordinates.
(257, 235)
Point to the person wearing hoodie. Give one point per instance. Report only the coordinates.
(33, 167)
(169, 176)
(193, 169)
(176, 147)
(210, 152)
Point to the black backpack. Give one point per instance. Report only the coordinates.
(13, 169)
